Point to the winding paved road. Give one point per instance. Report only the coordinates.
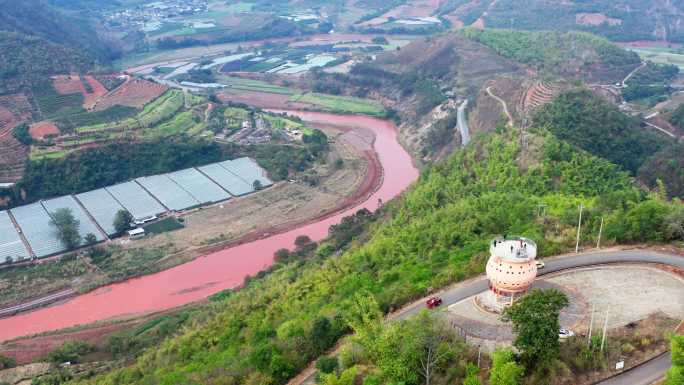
(641, 375)
(462, 124)
(644, 374)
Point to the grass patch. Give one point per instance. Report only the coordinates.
(21, 282)
(119, 264)
(163, 226)
(342, 104)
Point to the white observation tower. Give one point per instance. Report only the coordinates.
(511, 269)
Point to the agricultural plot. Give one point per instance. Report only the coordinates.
(86, 226)
(35, 224)
(341, 104)
(159, 110)
(134, 93)
(661, 55)
(136, 200)
(199, 186)
(53, 104)
(11, 245)
(255, 85)
(235, 185)
(168, 192)
(247, 170)
(102, 207)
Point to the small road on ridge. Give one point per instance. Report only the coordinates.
(503, 104)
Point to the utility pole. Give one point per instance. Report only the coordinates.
(605, 327)
(598, 243)
(479, 352)
(579, 228)
(591, 324)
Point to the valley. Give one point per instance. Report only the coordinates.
(316, 192)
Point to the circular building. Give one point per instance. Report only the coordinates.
(511, 268)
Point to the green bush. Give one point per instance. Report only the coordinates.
(70, 351)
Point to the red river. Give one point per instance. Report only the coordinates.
(217, 271)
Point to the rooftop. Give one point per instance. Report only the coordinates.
(514, 249)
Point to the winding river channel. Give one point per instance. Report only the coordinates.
(223, 269)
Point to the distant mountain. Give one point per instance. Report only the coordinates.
(39, 19)
(618, 20)
(39, 40)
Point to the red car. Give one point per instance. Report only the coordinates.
(433, 302)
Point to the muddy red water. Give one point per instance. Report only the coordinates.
(220, 270)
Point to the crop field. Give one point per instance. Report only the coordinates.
(163, 226)
(661, 55)
(94, 118)
(255, 85)
(185, 122)
(160, 109)
(135, 93)
(341, 104)
(53, 104)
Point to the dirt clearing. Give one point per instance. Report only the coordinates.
(42, 129)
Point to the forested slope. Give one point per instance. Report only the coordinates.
(437, 233)
(33, 60)
(589, 122)
(38, 40)
(572, 55)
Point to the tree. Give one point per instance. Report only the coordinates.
(505, 370)
(535, 321)
(471, 375)
(21, 133)
(302, 240)
(7, 362)
(122, 221)
(66, 227)
(90, 239)
(257, 185)
(675, 376)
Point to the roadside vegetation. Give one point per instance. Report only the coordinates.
(436, 234)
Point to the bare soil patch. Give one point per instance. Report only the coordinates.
(42, 129)
(134, 93)
(98, 91)
(68, 84)
(262, 99)
(596, 19)
(14, 109)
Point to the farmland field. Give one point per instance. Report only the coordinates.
(52, 104)
(662, 55)
(341, 103)
(134, 93)
(160, 109)
(255, 85)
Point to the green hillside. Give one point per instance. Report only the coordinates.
(438, 233)
(575, 55)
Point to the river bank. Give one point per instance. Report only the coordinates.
(222, 269)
